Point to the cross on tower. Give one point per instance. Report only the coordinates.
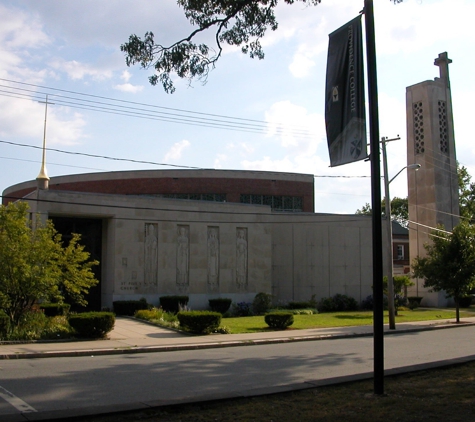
(443, 62)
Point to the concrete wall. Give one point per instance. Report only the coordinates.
(321, 255)
(156, 246)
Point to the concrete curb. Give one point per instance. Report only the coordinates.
(214, 344)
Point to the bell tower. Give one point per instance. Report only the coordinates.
(433, 190)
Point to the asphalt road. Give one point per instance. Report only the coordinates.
(96, 383)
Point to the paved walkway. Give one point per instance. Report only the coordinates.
(133, 336)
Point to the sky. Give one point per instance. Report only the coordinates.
(250, 114)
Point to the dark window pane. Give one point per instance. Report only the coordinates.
(245, 199)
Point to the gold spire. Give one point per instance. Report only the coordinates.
(42, 177)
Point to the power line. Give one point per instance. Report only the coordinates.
(105, 157)
(137, 161)
(136, 109)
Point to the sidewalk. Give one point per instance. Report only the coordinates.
(133, 336)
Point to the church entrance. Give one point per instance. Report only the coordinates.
(90, 230)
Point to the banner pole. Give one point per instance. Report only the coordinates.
(378, 328)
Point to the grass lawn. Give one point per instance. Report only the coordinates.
(339, 319)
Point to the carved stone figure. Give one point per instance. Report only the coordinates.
(182, 257)
(241, 258)
(151, 256)
(213, 257)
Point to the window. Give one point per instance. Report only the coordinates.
(400, 252)
(276, 202)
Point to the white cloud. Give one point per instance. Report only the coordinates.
(295, 127)
(21, 35)
(126, 75)
(176, 150)
(25, 118)
(76, 70)
(301, 65)
(133, 89)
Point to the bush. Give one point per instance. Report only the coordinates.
(55, 309)
(220, 304)
(56, 328)
(129, 307)
(465, 302)
(414, 301)
(279, 320)
(262, 303)
(199, 322)
(367, 304)
(300, 305)
(92, 324)
(4, 324)
(337, 303)
(158, 316)
(242, 309)
(149, 314)
(173, 303)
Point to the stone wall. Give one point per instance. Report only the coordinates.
(155, 246)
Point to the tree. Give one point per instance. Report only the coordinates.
(450, 263)
(35, 266)
(239, 23)
(399, 210)
(466, 194)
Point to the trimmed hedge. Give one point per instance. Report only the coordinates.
(55, 309)
(4, 324)
(220, 304)
(262, 303)
(300, 305)
(129, 307)
(199, 322)
(92, 324)
(279, 320)
(173, 303)
(337, 303)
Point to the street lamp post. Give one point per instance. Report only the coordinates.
(387, 200)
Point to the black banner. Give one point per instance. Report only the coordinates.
(345, 118)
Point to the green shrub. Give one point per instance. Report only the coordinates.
(220, 304)
(337, 303)
(56, 328)
(173, 303)
(222, 330)
(279, 320)
(414, 301)
(158, 316)
(465, 302)
(55, 309)
(262, 303)
(199, 322)
(299, 305)
(129, 307)
(4, 324)
(92, 324)
(149, 314)
(242, 309)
